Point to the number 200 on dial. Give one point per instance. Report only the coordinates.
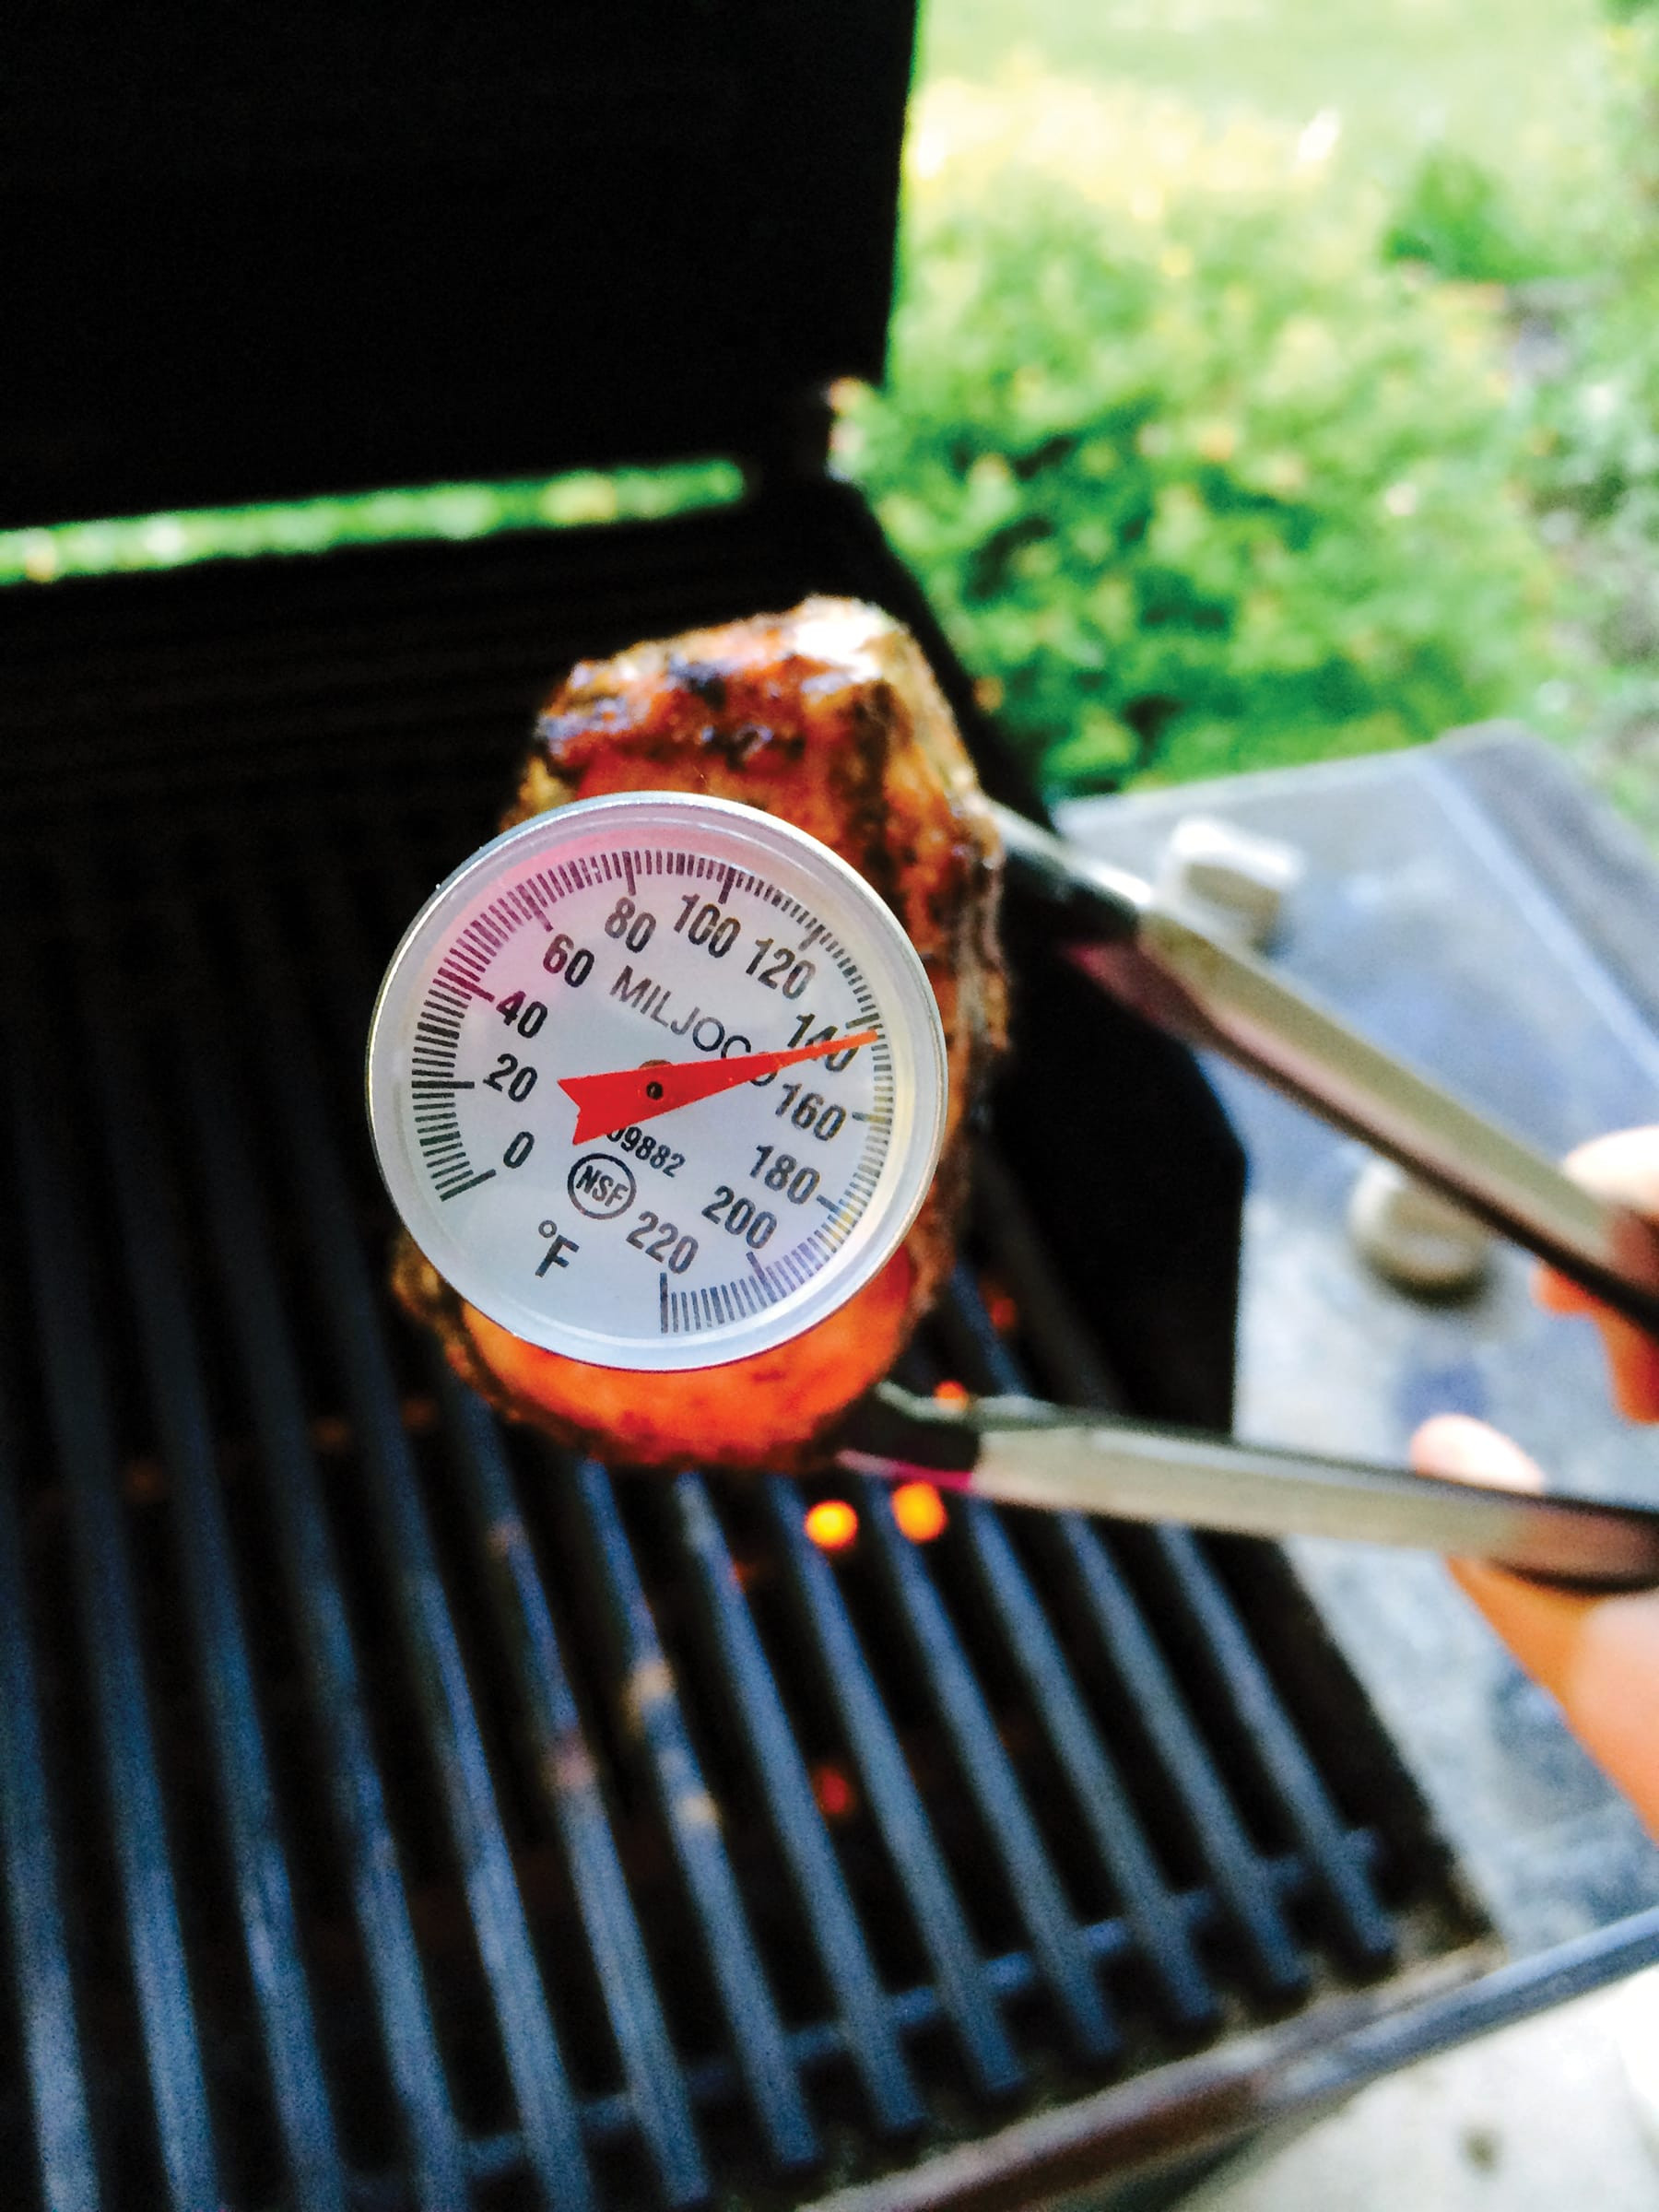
(656, 1081)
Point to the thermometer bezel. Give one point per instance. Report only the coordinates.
(875, 939)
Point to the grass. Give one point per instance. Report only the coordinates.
(1518, 84)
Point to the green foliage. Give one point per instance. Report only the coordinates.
(1457, 217)
(1595, 475)
(1193, 483)
(1600, 447)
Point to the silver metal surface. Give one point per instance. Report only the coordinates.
(1296, 2069)
(1026, 1451)
(1159, 1474)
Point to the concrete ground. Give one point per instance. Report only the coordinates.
(1558, 2113)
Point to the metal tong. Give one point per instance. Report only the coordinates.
(1019, 1452)
(1022, 1452)
(1218, 997)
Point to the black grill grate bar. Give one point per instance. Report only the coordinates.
(241, 1244)
(541, 2088)
(1363, 1926)
(1033, 1885)
(81, 1419)
(651, 1707)
(966, 1994)
(1239, 1675)
(1242, 1680)
(268, 747)
(751, 2012)
(274, 760)
(335, 685)
(1099, 1790)
(567, 1777)
(392, 790)
(1176, 1942)
(1229, 1857)
(1110, 1944)
(330, 624)
(255, 774)
(1009, 1976)
(1096, 1787)
(332, 691)
(33, 1901)
(155, 1273)
(821, 1886)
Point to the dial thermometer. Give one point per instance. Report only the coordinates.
(656, 1081)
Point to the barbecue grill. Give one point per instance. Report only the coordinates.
(393, 1812)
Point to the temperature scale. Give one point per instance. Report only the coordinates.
(656, 1081)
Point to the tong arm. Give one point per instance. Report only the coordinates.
(1216, 996)
(1023, 1452)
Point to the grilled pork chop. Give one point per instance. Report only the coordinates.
(828, 717)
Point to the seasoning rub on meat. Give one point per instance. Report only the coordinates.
(829, 717)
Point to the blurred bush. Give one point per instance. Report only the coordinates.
(1594, 473)
(1195, 480)
(1602, 414)
(1458, 219)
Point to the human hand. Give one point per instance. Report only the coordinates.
(1599, 1657)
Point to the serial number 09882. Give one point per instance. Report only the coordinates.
(646, 1149)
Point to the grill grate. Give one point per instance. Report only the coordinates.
(394, 1813)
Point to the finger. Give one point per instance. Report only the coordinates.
(1465, 1450)
(1599, 1657)
(1537, 1624)
(1560, 1294)
(1632, 1354)
(1623, 1169)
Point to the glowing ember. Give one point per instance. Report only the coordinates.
(833, 1792)
(918, 1511)
(831, 1524)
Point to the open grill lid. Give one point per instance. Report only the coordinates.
(312, 249)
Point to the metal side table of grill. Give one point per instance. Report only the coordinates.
(1475, 909)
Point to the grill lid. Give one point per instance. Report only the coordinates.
(310, 248)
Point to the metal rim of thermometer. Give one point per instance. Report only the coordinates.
(609, 936)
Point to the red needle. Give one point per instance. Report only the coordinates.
(636, 1094)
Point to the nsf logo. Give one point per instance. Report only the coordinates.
(601, 1185)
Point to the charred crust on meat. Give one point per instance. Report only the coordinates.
(708, 683)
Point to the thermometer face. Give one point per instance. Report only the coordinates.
(656, 1081)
